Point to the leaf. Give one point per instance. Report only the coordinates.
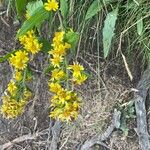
(139, 25)
(38, 17)
(33, 6)
(72, 38)
(20, 6)
(48, 69)
(6, 57)
(46, 46)
(95, 7)
(108, 31)
(64, 8)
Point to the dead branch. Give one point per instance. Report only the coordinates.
(22, 139)
(56, 129)
(140, 98)
(100, 138)
(18, 140)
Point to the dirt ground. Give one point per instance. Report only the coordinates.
(99, 101)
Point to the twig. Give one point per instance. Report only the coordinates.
(100, 138)
(140, 98)
(23, 138)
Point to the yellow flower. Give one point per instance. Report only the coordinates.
(27, 95)
(68, 115)
(80, 79)
(77, 68)
(67, 45)
(58, 74)
(19, 59)
(55, 87)
(30, 42)
(11, 108)
(64, 96)
(51, 5)
(60, 50)
(58, 38)
(55, 113)
(12, 88)
(18, 75)
(56, 60)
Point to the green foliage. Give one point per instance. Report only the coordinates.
(139, 25)
(64, 8)
(108, 30)
(33, 6)
(38, 17)
(20, 6)
(7, 56)
(45, 45)
(95, 7)
(127, 113)
(72, 38)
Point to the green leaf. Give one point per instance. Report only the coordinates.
(48, 69)
(33, 6)
(64, 8)
(95, 7)
(37, 18)
(20, 6)
(72, 38)
(139, 25)
(108, 31)
(6, 57)
(46, 46)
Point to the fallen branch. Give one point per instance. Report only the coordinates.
(18, 140)
(56, 129)
(22, 139)
(100, 138)
(140, 98)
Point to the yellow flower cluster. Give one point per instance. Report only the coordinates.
(51, 5)
(17, 94)
(78, 76)
(65, 103)
(12, 108)
(30, 42)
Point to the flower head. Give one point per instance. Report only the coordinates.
(12, 88)
(51, 5)
(56, 60)
(80, 79)
(58, 74)
(18, 75)
(30, 42)
(77, 68)
(55, 87)
(19, 59)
